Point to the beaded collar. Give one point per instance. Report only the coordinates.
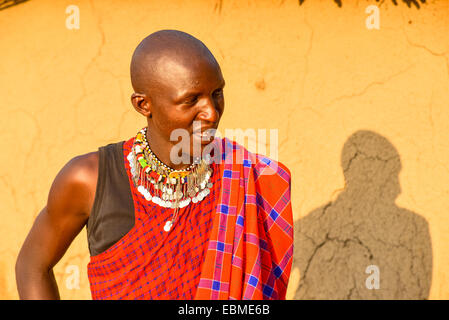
(165, 186)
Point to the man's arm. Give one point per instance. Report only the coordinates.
(68, 207)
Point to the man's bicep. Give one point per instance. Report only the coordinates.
(49, 238)
(62, 219)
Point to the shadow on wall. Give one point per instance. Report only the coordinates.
(395, 2)
(336, 243)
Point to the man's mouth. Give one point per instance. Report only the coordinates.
(205, 136)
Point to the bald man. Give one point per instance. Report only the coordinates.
(173, 212)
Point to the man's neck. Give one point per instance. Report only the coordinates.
(162, 149)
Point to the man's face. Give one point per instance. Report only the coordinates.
(187, 93)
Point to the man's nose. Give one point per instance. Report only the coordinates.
(209, 111)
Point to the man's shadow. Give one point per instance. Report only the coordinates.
(362, 245)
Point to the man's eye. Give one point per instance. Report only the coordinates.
(218, 93)
(191, 100)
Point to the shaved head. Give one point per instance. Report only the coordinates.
(163, 51)
(177, 82)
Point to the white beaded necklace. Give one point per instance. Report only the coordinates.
(170, 188)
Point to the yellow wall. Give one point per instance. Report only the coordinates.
(313, 71)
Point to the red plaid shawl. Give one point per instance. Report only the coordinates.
(239, 245)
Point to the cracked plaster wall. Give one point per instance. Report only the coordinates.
(352, 106)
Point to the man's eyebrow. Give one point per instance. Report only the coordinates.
(186, 94)
(192, 92)
(221, 86)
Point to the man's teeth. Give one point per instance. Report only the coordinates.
(202, 134)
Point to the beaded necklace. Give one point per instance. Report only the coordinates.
(165, 186)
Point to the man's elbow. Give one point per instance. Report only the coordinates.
(22, 270)
(26, 270)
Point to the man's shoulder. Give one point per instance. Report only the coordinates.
(260, 163)
(73, 189)
(85, 167)
(264, 163)
(80, 172)
(84, 164)
(88, 163)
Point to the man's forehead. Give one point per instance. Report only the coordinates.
(172, 57)
(186, 70)
(184, 62)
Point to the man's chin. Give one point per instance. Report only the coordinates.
(201, 148)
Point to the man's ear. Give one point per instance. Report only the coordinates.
(142, 104)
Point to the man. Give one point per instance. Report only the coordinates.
(169, 219)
